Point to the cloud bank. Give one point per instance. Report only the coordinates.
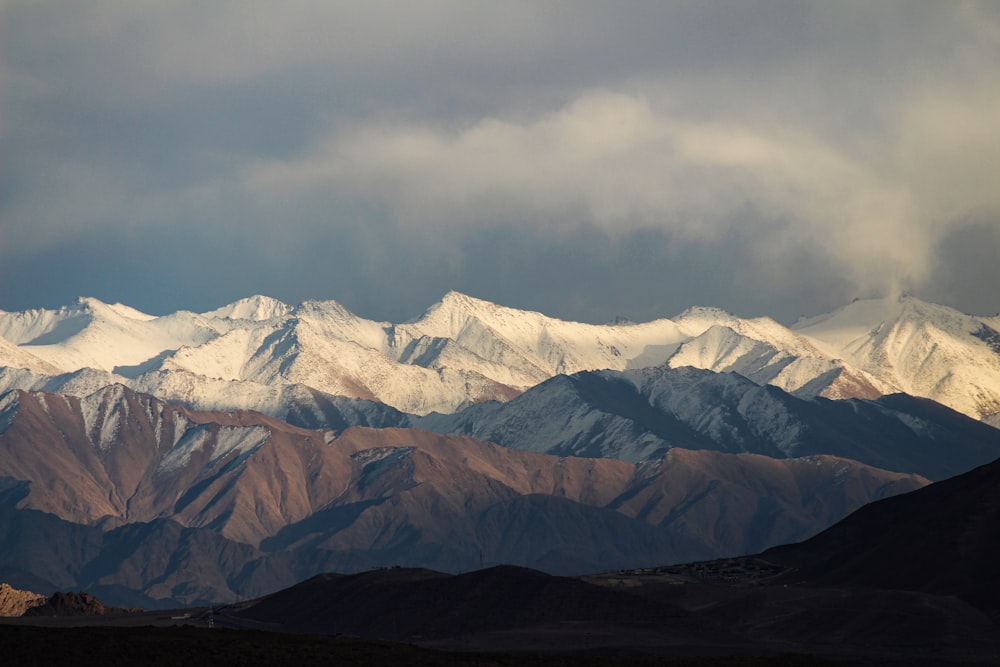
(612, 161)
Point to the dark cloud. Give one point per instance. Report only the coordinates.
(583, 159)
(967, 271)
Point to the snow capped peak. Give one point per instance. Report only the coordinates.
(41, 326)
(698, 319)
(456, 297)
(323, 309)
(864, 317)
(456, 312)
(336, 322)
(456, 301)
(90, 303)
(455, 304)
(256, 308)
(920, 348)
(94, 306)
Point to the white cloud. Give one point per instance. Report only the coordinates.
(616, 161)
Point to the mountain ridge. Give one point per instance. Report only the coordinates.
(464, 350)
(635, 415)
(111, 476)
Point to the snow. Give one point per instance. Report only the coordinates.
(220, 442)
(837, 330)
(91, 334)
(464, 350)
(222, 357)
(255, 308)
(129, 312)
(8, 406)
(921, 348)
(367, 457)
(12, 356)
(540, 346)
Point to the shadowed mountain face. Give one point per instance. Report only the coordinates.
(514, 608)
(942, 539)
(410, 604)
(165, 502)
(636, 415)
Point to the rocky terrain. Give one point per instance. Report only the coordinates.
(14, 602)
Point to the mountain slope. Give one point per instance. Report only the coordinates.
(120, 480)
(92, 334)
(922, 349)
(636, 415)
(941, 539)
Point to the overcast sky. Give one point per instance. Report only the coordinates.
(584, 159)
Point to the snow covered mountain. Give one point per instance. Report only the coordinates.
(919, 348)
(464, 351)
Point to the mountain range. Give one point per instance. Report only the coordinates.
(126, 481)
(463, 351)
(226, 454)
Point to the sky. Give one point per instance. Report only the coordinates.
(588, 160)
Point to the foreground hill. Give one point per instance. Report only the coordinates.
(942, 539)
(464, 351)
(164, 501)
(411, 604)
(514, 609)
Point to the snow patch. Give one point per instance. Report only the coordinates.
(220, 443)
(367, 457)
(8, 408)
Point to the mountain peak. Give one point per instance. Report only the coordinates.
(454, 303)
(86, 301)
(464, 301)
(323, 307)
(89, 303)
(701, 318)
(257, 308)
(863, 315)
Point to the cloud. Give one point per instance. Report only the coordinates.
(806, 151)
(621, 163)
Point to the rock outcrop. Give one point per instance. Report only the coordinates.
(14, 602)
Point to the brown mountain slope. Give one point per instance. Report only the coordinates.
(367, 497)
(118, 457)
